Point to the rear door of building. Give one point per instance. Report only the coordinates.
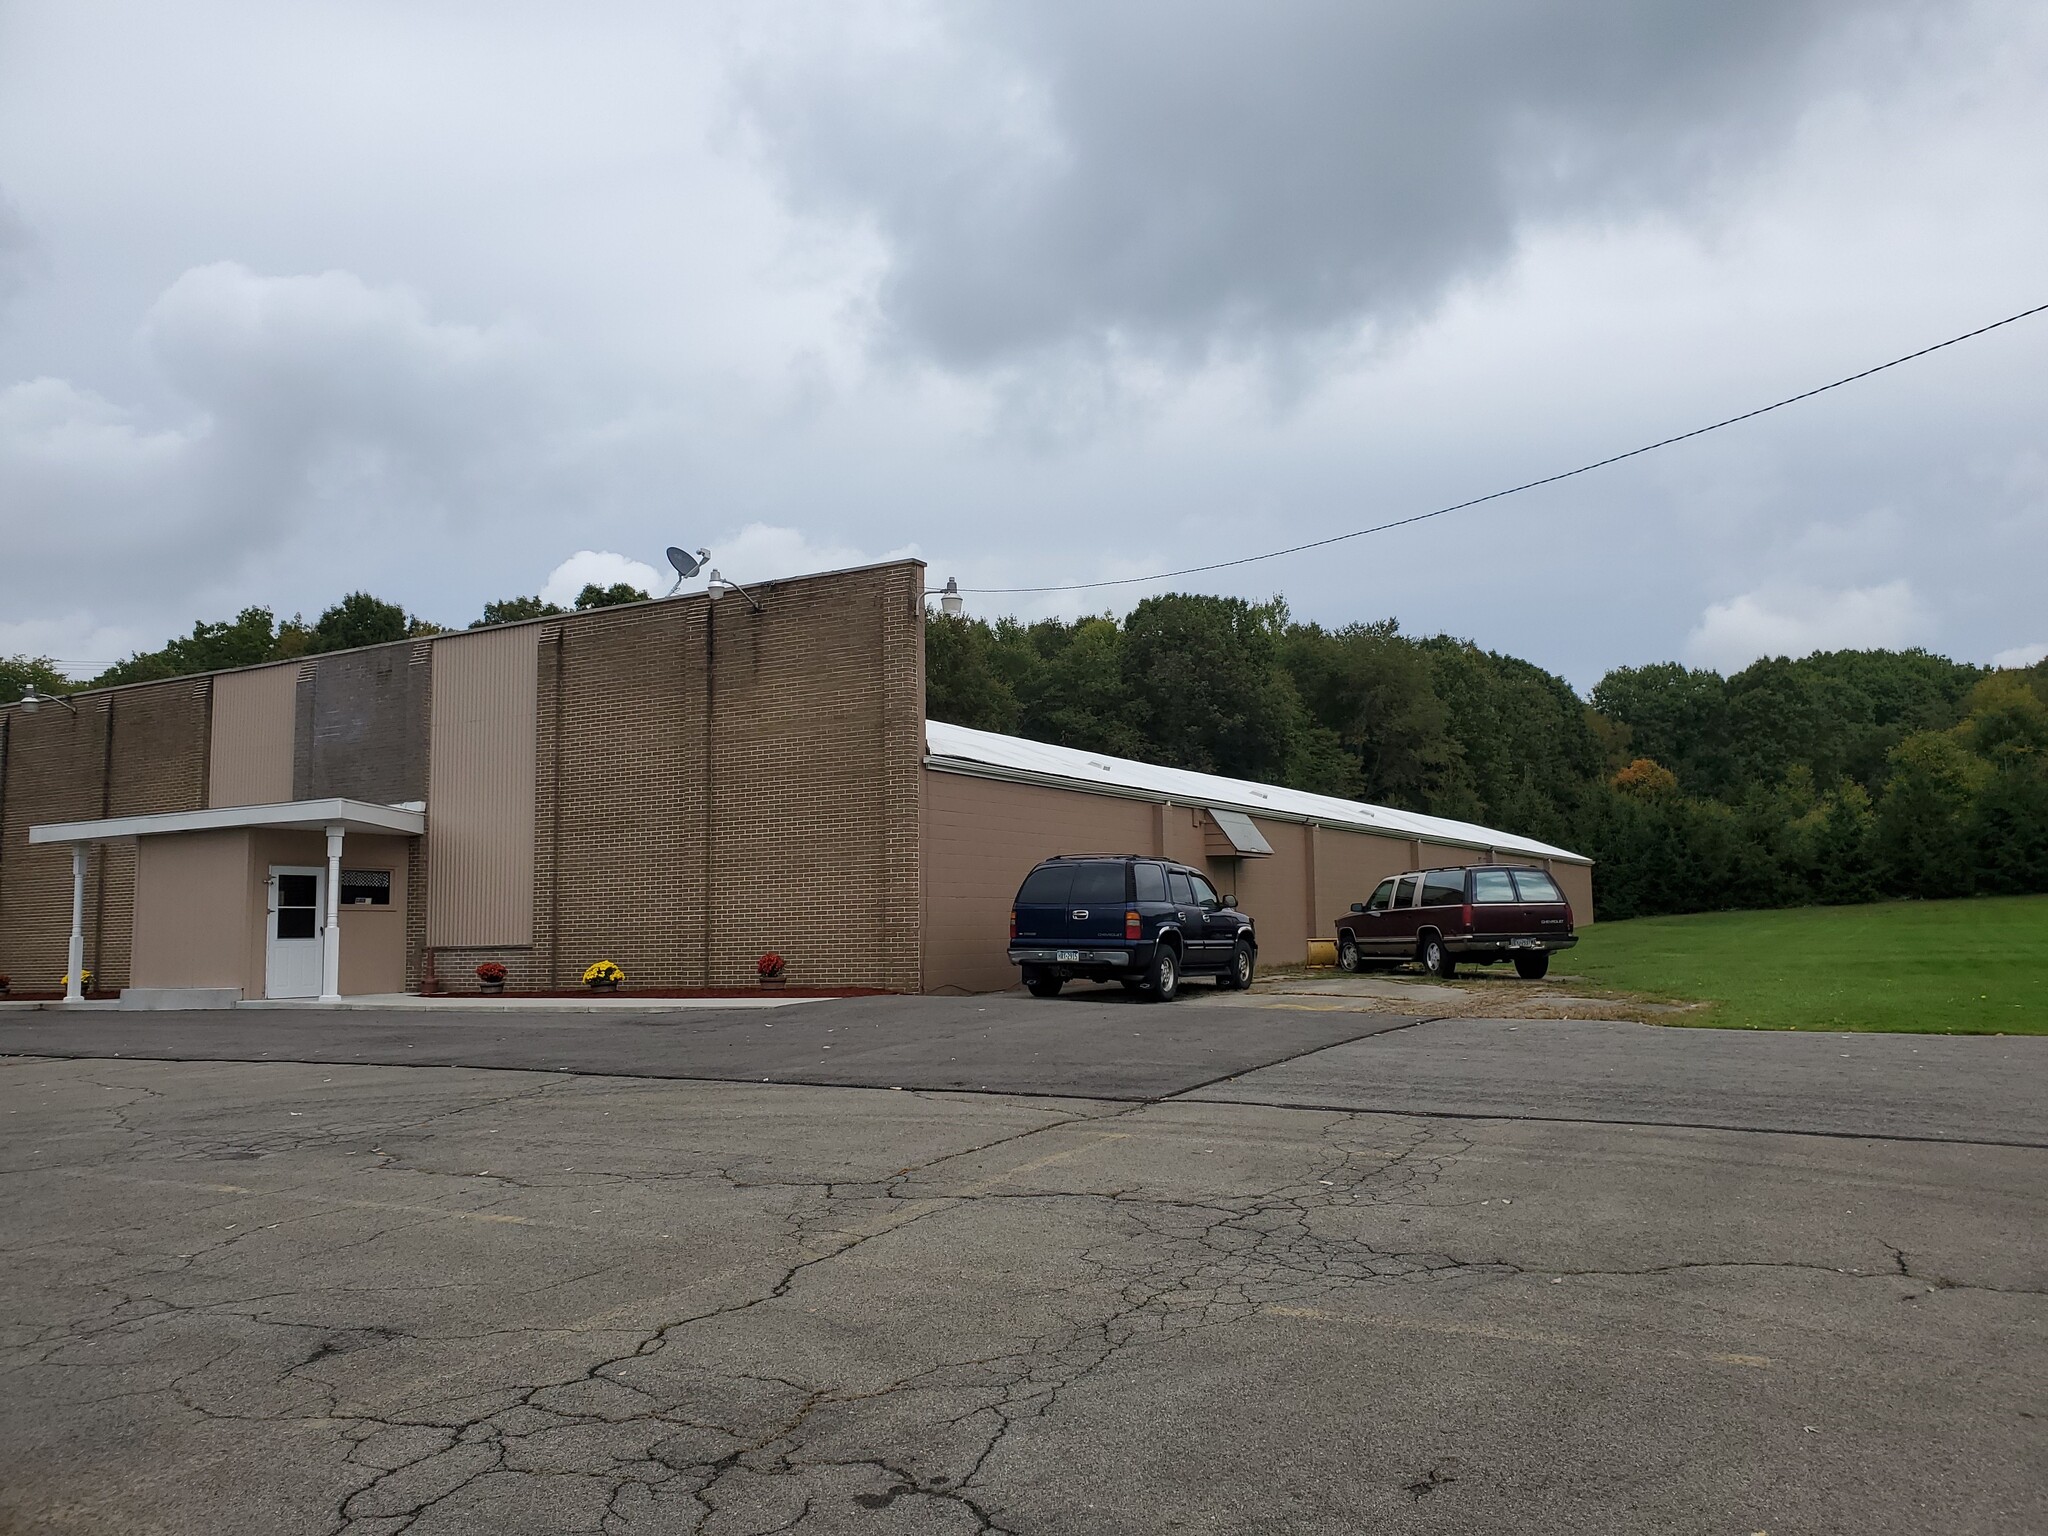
(291, 958)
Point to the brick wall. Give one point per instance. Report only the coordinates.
(682, 851)
(127, 752)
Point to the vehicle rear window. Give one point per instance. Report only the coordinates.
(1382, 897)
(1443, 888)
(1151, 882)
(1492, 887)
(1047, 885)
(1537, 886)
(1178, 888)
(1404, 894)
(1099, 885)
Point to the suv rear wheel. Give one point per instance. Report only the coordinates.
(1242, 963)
(1043, 983)
(1437, 960)
(1532, 967)
(1162, 976)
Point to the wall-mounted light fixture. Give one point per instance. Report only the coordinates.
(951, 603)
(31, 701)
(719, 586)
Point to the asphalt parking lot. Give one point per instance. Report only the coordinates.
(909, 1265)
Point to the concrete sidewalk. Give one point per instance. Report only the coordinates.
(407, 1002)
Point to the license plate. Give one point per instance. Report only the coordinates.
(1525, 944)
(1067, 956)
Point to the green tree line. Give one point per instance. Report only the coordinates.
(257, 635)
(1843, 777)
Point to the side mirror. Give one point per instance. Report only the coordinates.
(1358, 906)
(1230, 901)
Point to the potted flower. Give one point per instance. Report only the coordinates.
(491, 976)
(769, 969)
(603, 977)
(84, 982)
(5, 983)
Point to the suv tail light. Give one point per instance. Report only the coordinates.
(1013, 922)
(1133, 926)
(1467, 916)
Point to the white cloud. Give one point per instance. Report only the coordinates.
(756, 553)
(1796, 621)
(760, 552)
(605, 568)
(2021, 656)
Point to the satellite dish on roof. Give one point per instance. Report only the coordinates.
(687, 565)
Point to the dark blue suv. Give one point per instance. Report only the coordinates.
(1142, 921)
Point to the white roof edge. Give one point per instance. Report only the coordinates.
(989, 754)
(353, 815)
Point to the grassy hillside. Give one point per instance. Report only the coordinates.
(1966, 967)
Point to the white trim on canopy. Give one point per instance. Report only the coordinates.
(297, 815)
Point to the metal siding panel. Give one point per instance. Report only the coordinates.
(982, 836)
(250, 754)
(192, 912)
(1273, 890)
(1349, 865)
(480, 849)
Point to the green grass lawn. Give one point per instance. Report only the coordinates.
(1963, 967)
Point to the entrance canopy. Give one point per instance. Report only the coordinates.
(293, 815)
(337, 818)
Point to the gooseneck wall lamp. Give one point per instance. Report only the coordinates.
(31, 700)
(951, 603)
(719, 586)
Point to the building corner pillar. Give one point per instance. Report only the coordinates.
(330, 932)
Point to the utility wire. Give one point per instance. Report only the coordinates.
(1526, 485)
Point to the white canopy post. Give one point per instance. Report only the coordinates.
(74, 979)
(330, 935)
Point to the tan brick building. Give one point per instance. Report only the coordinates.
(677, 786)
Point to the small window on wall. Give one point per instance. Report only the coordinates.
(366, 887)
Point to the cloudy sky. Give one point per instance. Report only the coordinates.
(453, 301)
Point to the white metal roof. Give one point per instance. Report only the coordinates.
(960, 749)
(308, 815)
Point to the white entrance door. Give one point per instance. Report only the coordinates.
(298, 898)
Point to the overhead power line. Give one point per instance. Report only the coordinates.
(1513, 490)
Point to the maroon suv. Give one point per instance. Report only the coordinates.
(1481, 912)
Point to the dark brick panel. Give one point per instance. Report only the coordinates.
(362, 725)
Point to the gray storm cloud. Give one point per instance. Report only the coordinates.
(1178, 176)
